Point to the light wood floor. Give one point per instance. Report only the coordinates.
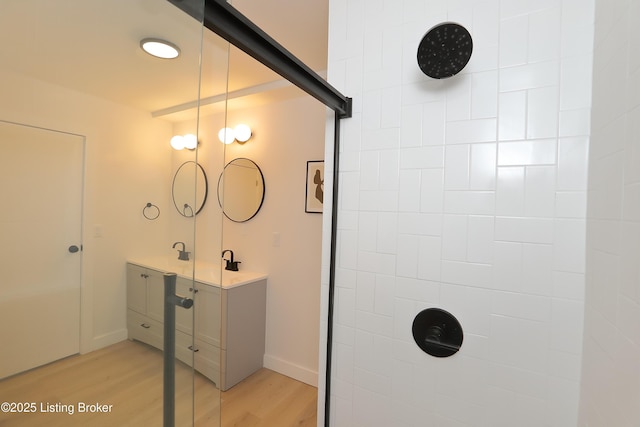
(128, 376)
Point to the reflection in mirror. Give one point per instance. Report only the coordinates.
(189, 189)
(241, 190)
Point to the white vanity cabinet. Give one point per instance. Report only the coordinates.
(222, 335)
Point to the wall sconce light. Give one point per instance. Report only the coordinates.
(188, 141)
(240, 133)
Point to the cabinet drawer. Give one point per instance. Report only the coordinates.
(206, 357)
(184, 347)
(144, 329)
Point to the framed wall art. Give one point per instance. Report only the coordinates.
(315, 186)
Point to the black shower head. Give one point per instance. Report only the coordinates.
(444, 50)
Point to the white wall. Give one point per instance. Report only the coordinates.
(610, 374)
(286, 135)
(127, 164)
(467, 194)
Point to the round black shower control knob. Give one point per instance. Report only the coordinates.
(437, 332)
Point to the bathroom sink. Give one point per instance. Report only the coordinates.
(207, 273)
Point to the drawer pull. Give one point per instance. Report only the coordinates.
(192, 349)
(144, 325)
(195, 291)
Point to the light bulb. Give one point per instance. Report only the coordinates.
(177, 142)
(226, 135)
(242, 133)
(190, 141)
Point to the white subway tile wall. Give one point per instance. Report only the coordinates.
(467, 194)
(610, 374)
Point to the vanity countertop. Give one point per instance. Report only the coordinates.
(206, 273)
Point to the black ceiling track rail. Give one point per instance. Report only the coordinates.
(226, 21)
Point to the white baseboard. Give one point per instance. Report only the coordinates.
(111, 338)
(292, 370)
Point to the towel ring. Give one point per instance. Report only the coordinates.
(152, 214)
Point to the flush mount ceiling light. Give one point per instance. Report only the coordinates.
(160, 48)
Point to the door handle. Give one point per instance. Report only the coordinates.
(73, 249)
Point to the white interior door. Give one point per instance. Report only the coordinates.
(41, 179)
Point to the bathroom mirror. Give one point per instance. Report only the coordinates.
(189, 189)
(241, 190)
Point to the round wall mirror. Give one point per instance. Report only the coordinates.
(241, 190)
(189, 189)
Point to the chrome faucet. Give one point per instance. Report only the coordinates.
(183, 255)
(231, 264)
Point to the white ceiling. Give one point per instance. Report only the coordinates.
(93, 46)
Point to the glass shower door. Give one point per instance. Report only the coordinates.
(78, 66)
